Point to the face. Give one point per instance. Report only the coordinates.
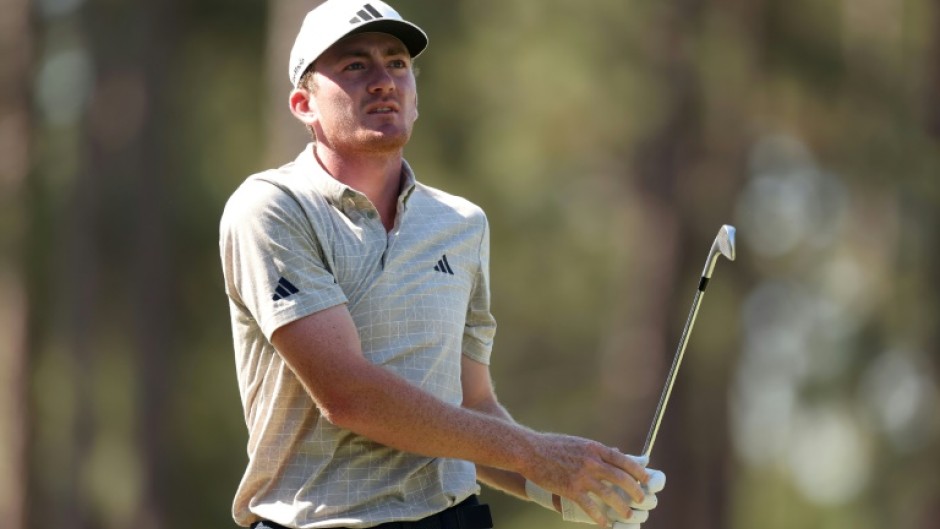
(365, 98)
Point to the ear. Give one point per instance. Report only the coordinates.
(303, 106)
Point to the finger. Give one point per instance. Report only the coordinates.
(615, 500)
(630, 464)
(657, 481)
(639, 517)
(590, 507)
(649, 503)
(621, 525)
(634, 515)
(640, 460)
(614, 481)
(616, 517)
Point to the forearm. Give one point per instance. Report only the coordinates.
(484, 400)
(504, 480)
(386, 408)
(353, 393)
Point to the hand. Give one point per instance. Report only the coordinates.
(655, 484)
(587, 473)
(598, 482)
(639, 511)
(571, 512)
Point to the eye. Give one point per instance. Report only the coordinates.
(398, 63)
(355, 66)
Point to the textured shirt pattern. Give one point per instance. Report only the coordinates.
(295, 241)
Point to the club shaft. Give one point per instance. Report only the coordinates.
(670, 379)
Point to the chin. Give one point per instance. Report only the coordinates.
(385, 142)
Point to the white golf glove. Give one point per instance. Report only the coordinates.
(572, 512)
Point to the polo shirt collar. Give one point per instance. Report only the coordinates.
(333, 189)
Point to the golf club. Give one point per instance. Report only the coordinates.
(723, 245)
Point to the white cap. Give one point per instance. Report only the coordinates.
(334, 19)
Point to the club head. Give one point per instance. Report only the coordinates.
(723, 245)
(725, 241)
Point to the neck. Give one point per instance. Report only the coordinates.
(375, 175)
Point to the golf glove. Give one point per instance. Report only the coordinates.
(572, 512)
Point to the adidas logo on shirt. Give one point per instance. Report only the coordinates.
(284, 289)
(444, 266)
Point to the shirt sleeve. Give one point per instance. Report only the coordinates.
(272, 257)
(481, 325)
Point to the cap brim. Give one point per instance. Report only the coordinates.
(410, 35)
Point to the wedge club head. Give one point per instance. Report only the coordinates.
(723, 245)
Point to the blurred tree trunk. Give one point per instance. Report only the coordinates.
(153, 256)
(933, 73)
(636, 349)
(655, 300)
(931, 516)
(80, 272)
(286, 136)
(77, 269)
(15, 135)
(125, 160)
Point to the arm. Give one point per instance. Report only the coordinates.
(478, 394)
(324, 352)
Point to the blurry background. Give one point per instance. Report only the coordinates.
(607, 140)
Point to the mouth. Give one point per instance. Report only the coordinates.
(382, 108)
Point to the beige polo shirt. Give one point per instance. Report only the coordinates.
(295, 241)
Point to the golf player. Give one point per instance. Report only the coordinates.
(360, 310)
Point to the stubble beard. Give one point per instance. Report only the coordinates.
(382, 143)
(371, 141)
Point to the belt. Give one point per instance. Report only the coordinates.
(468, 514)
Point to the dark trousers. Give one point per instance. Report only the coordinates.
(468, 514)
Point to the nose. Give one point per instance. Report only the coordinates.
(381, 81)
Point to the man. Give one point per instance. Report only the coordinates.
(361, 319)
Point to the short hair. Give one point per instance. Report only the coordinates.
(308, 82)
